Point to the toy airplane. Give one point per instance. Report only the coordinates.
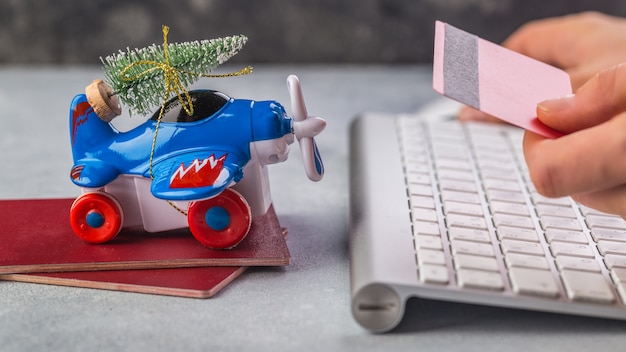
(210, 165)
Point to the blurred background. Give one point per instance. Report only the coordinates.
(67, 32)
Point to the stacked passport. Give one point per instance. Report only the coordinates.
(38, 245)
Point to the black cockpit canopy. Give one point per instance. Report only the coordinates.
(205, 103)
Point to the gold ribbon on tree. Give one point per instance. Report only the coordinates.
(171, 76)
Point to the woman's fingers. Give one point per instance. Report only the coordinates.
(597, 101)
(549, 40)
(581, 44)
(590, 160)
(612, 201)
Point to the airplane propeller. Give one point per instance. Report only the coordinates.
(306, 127)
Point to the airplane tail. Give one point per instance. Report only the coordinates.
(87, 130)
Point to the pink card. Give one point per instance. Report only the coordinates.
(495, 80)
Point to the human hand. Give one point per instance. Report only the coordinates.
(589, 163)
(581, 44)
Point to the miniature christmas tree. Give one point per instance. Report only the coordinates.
(148, 77)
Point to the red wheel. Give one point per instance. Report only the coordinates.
(220, 222)
(96, 217)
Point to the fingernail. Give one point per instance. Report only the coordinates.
(469, 114)
(551, 106)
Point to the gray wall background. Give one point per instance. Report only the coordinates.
(296, 31)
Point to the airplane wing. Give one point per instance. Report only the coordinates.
(93, 173)
(197, 174)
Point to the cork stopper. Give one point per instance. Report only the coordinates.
(101, 98)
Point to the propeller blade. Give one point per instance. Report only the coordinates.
(305, 127)
(313, 165)
(298, 108)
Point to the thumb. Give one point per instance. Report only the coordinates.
(597, 101)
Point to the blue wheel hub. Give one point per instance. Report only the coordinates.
(217, 218)
(95, 219)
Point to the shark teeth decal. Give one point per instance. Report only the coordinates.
(199, 173)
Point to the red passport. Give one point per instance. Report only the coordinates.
(36, 237)
(201, 282)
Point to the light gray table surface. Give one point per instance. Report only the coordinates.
(304, 306)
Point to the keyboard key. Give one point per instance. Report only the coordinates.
(571, 249)
(577, 263)
(600, 233)
(565, 236)
(429, 256)
(426, 228)
(498, 174)
(456, 175)
(615, 261)
(619, 276)
(428, 242)
(490, 141)
(517, 233)
(590, 211)
(501, 185)
(457, 185)
(508, 208)
(450, 152)
(469, 234)
(587, 287)
(480, 279)
(475, 248)
(446, 130)
(424, 214)
(493, 154)
(420, 190)
(422, 202)
(462, 197)
(559, 223)
(533, 282)
(467, 261)
(609, 247)
(414, 151)
(451, 207)
(525, 261)
(606, 221)
(416, 156)
(539, 199)
(490, 164)
(417, 168)
(513, 221)
(554, 210)
(457, 220)
(434, 274)
(453, 164)
(505, 196)
(513, 246)
(419, 178)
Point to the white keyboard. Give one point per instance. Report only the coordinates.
(478, 231)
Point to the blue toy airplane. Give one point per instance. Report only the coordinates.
(186, 158)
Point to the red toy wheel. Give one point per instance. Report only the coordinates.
(220, 222)
(96, 217)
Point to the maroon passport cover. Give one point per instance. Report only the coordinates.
(35, 237)
(201, 282)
